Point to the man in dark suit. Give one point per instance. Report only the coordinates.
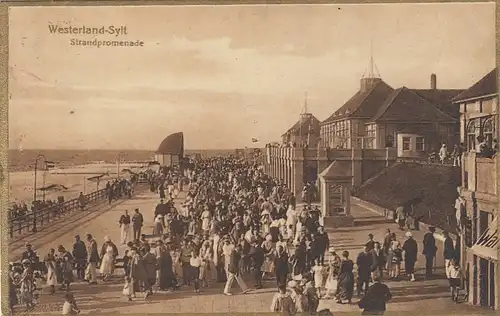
(281, 265)
(429, 251)
(257, 258)
(364, 262)
(137, 222)
(375, 300)
(323, 243)
(233, 271)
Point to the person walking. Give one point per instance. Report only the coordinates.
(448, 252)
(345, 284)
(364, 262)
(80, 256)
(283, 303)
(257, 258)
(93, 260)
(124, 227)
(410, 249)
(375, 300)
(429, 251)
(50, 262)
(137, 222)
(322, 244)
(233, 271)
(281, 266)
(378, 261)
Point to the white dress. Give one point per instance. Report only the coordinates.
(51, 274)
(205, 220)
(107, 261)
(318, 276)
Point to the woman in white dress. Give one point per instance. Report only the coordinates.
(50, 262)
(207, 266)
(269, 252)
(266, 222)
(159, 226)
(108, 254)
(205, 221)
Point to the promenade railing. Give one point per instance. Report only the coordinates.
(24, 223)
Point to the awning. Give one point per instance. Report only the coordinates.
(487, 246)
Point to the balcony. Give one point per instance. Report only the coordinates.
(479, 173)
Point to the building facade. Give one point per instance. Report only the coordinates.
(479, 243)
(377, 113)
(304, 133)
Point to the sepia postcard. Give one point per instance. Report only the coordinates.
(292, 159)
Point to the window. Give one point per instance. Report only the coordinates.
(484, 127)
(406, 143)
(419, 144)
(471, 134)
(389, 141)
(488, 130)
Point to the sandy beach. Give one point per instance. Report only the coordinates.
(75, 179)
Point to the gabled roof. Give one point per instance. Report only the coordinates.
(405, 105)
(301, 128)
(172, 145)
(335, 170)
(363, 104)
(442, 98)
(486, 86)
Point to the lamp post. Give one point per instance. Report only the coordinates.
(34, 230)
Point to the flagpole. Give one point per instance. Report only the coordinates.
(34, 229)
(43, 183)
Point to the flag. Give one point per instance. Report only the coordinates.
(49, 165)
(255, 140)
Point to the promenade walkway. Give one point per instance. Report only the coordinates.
(423, 295)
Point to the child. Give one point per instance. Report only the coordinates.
(126, 263)
(69, 306)
(319, 272)
(127, 288)
(455, 279)
(397, 257)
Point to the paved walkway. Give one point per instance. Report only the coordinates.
(423, 295)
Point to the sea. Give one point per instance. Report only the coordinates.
(74, 167)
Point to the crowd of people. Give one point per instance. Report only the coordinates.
(235, 224)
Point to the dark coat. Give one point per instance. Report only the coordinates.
(430, 248)
(281, 264)
(449, 249)
(410, 248)
(322, 242)
(234, 262)
(364, 262)
(375, 298)
(378, 260)
(93, 252)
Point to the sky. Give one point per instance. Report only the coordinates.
(224, 74)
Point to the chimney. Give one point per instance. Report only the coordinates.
(433, 82)
(368, 83)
